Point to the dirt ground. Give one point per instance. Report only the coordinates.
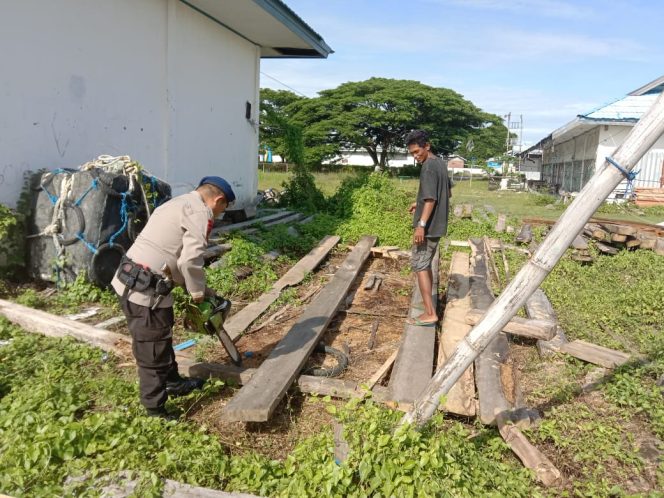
(299, 415)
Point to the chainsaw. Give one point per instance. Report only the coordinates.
(208, 317)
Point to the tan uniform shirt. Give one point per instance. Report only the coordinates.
(175, 235)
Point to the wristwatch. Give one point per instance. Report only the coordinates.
(422, 223)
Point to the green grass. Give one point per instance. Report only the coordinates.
(517, 204)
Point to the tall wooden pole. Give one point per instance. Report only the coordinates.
(646, 132)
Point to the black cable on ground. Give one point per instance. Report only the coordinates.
(340, 356)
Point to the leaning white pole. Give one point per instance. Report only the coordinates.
(606, 178)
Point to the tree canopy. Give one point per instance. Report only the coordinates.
(375, 115)
(277, 129)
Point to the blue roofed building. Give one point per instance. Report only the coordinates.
(572, 153)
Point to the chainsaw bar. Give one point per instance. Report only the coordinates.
(229, 346)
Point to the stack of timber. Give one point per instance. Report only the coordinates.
(259, 397)
(611, 236)
(646, 197)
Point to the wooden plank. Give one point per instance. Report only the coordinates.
(240, 321)
(88, 313)
(580, 243)
(50, 325)
(523, 327)
(239, 226)
(256, 401)
(500, 224)
(107, 324)
(461, 398)
(538, 307)
(489, 363)
(618, 237)
(659, 246)
(632, 242)
(619, 229)
(308, 384)
(525, 234)
(413, 366)
(530, 456)
(288, 219)
(606, 249)
(380, 373)
(598, 355)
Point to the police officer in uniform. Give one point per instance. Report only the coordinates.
(169, 250)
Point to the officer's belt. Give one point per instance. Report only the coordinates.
(139, 278)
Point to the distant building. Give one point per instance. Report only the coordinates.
(397, 159)
(456, 162)
(530, 163)
(571, 154)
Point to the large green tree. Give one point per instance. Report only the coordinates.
(276, 128)
(376, 114)
(486, 141)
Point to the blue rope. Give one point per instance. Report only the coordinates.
(52, 197)
(94, 185)
(155, 196)
(91, 247)
(123, 217)
(630, 175)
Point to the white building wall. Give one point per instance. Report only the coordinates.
(151, 78)
(651, 165)
(214, 73)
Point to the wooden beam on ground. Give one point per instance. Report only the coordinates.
(525, 234)
(107, 324)
(659, 246)
(308, 384)
(256, 401)
(461, 398)
(620, 229)
(123, 486)
(382, 371)
(51, 325)
(597, 355)
(500, 224)
(580, 243)
(245, 224)
(413, 366)
(523, 327)
(240, 321)
(288, 219)
(538, 307)
(530, 456)
(490, 362)
(606, 249)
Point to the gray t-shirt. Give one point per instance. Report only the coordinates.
(434, 184)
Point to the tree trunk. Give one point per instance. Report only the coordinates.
(372, 152)
(641, 138)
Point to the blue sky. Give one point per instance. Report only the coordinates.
(548, 60)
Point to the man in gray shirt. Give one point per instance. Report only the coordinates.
(431, 211)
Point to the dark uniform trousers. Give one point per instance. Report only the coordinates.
(152, 345)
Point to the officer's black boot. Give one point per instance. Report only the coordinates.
(183, 386)
(161, 413)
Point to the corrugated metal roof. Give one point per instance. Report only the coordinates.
(629, 109)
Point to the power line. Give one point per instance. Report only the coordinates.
(284, 84)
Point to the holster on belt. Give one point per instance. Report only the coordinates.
(139, 278)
